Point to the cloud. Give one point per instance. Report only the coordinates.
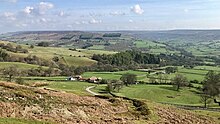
(61, 13)
(28, 9)
(131, 21)
(44, 6)
(39, 9)
(116, 13)
(9, 16)
(94, 21)
(11, 1)
(137, 9)
(186, 10)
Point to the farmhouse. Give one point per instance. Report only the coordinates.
(94, 79)
(71, 78)
(74, 78)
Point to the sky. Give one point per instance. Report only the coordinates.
(108, 15)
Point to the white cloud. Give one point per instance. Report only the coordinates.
(186, 10)
(61, 13)
(21, 25)
(39, 9)
(131, 21)
(77, 23)
(137, 9)
(84, 22)
(94, 21)
(44, 6)
(116, 13)
(43, 20)
(11, 1)
(9, 16)
(28, 9)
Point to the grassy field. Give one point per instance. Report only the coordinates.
(80, 57)
(19, 65)
(97, 47)
(114, 75)
(160, 93)
(71, 86)
(191, 74)
(57, 78)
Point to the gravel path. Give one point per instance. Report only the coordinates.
(91, 92)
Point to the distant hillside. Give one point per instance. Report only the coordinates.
(75, 57)
(179, 35)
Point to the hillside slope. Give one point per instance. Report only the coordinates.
(61, 107)
(79, 57)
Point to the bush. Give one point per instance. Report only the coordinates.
(19, 80)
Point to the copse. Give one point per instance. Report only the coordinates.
(127, 58)
(128, 79)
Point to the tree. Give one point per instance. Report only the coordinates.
(114, 85)
(117, 85)
(10, 73)
(31, 46)
(212, 83)
(128, 78)
(55, 59)
(169, 70)
(79, 70)
(179, 81)
(3, 55)
(43, 44)
(49, 71)
(205, 97)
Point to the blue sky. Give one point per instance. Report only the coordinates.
(21, 15)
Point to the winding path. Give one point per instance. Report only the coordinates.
(91, 92)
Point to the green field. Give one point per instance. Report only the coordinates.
(114, 75)
(19, 65)
(80, 57)
(191, 74)
(160, 93)
(71, 86)
(97, 47)
(57, 78)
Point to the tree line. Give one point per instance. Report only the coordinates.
(127, 58)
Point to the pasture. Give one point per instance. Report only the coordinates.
(79, 57)
(160, 93)
(71, 86)
(19, 65)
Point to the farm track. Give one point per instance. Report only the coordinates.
(88, 89)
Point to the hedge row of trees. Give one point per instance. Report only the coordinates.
(30, 59)
(11, 48)
(10, 73)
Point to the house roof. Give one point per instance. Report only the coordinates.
(93, 78)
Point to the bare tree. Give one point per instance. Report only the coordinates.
(179, 81)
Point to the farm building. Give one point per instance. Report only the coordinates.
(94, 79)
(71, 78)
